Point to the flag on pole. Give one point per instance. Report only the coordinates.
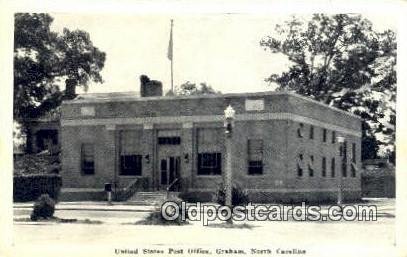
(170, 46)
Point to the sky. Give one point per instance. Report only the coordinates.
(222, 50)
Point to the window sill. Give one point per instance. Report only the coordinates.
(209, 176)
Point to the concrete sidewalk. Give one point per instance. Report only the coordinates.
(93, 206)
(383, 205)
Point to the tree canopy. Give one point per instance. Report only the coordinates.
(189, 88)
(342, 61)
(44, 59)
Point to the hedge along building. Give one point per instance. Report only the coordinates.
(284, 145)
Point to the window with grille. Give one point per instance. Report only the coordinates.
(209, 163)
(88, 159)
(130, 165)
(169, 140)
(255, 156)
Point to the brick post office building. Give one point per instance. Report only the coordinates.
(284, 145)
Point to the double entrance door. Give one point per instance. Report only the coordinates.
(169, 161)
(169, 171)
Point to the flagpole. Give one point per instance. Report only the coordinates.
(172, 59)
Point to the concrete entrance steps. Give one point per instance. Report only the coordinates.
(148, 198)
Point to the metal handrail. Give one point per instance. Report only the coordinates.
(172, 184)
(131, 184)
(128, 191)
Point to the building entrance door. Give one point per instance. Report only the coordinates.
(169, 171)
(168, 161)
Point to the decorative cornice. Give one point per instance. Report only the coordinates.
(132, 97)
(148, 121)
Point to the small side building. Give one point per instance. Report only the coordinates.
(43, 133)
(284, 145)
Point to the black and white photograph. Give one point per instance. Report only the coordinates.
(220, 132)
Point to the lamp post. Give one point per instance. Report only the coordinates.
(229, 123)
(341, 141)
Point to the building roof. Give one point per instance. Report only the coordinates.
(111, 96)
(135, 96)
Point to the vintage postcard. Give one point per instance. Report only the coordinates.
(173, 129)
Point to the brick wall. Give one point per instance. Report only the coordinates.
(281, 144)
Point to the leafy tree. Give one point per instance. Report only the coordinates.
(341, 61)
(43, 59)
(189, 88)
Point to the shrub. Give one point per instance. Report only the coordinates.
(30, 187)
(239, 196)
(156, 218)
(44, 208)
(190, 197)
(40, 163)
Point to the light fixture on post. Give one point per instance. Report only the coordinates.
(341, 141)
(147, 157)
(229, 123)
(229, 119)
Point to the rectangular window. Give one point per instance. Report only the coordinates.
(130, 165)
(353, 152)
(311, 166)
(300, 169)
(324, 135)
(88, 159)
(299, 130)
(323, 168)
(333, 166)
(311, 132)
(353, 169)
(209, 163)
(333, 140)
(255, 156)
(345, 160)
(353, 161)
(169, 140)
